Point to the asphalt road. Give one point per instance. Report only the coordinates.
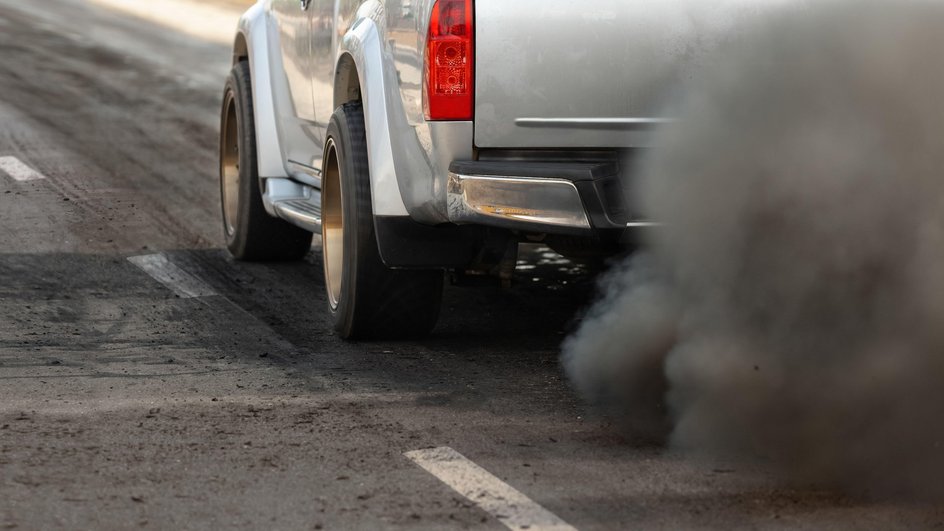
(124, 405)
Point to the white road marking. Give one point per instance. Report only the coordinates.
(17, 169)
(174, 278)
(511, 507)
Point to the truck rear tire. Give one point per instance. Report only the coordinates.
(251, 233)
(368, 299)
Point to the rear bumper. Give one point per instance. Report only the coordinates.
(546, 197)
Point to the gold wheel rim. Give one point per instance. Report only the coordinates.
(332, 224)
(229, 164)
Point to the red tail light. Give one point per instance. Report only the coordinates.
(450, 66)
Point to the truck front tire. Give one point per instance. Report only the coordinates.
(251, 233)
(367, 299)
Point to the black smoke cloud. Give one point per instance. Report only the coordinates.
(792, 305)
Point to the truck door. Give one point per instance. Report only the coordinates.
(294, 103)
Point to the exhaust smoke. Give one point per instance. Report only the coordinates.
(792, 306)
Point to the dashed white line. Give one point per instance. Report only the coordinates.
(174, 278)
(17, 169)
(511, 507)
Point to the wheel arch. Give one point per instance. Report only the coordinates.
(347, 83)
(240, 48)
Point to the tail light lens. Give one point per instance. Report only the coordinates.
(450, 67)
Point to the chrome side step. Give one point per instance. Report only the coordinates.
(301, 213)
(296, 203)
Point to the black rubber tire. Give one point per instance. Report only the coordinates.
(255, 235)
(375, 302)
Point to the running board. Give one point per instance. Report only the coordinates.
(294, 202)
(302, 212)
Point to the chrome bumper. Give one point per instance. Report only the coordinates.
(524, 203)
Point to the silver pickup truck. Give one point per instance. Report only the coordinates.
(418, 136)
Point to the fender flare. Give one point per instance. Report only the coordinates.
(253, 29)
(364, 44)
